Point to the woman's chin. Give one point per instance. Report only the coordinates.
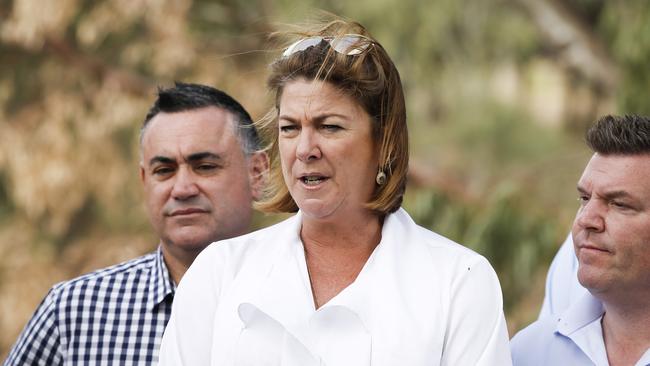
(316, 209)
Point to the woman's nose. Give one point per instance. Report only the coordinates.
(308, 148)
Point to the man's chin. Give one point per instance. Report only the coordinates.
(593, 280)
(190, 241)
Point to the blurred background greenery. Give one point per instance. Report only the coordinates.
(499, 93)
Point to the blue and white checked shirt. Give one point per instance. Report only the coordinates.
(113, 316)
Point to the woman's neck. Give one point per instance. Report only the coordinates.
(336, 252)
(349, 232)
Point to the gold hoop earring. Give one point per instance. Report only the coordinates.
(381, 178)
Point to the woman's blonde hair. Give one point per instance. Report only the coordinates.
(368, 76)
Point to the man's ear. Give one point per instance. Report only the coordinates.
(258, 168)
(141, 173)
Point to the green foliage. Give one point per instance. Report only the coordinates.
(626, 27)
(497, 207)
(515, 242)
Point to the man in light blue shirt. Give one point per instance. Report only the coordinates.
(609, 324)
(562, 286)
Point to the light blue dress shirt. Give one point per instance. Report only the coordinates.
(562, 286)
(575, 338)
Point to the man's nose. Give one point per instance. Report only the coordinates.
(184, 184)
(591, 216)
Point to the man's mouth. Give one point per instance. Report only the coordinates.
(592, 247)
(186, 211)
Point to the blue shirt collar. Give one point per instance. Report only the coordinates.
(581, 313)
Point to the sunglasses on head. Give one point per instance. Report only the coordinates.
(348, 44)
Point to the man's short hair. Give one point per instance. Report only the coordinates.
(186, 96)
(616, 135)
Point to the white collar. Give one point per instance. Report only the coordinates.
(265, 313)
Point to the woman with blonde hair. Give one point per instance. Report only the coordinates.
(350, 279)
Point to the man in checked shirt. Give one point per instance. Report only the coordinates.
(201, 169)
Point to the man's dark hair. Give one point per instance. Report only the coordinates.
(615, 135)
(185, 97)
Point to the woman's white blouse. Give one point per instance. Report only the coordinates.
(420, 299)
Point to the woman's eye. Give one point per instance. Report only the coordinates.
(287, 128)
(331, 127)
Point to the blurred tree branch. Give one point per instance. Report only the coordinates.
(579, 46)
(422, 176)
(134, 83)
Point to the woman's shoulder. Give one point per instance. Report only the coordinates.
(234, 252)
(419, 238)
(441, 272)
(220, 264)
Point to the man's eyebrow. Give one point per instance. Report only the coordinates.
(161, 160)
(610, 195)
(617, 194)
(204, 155)
(581, 190)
